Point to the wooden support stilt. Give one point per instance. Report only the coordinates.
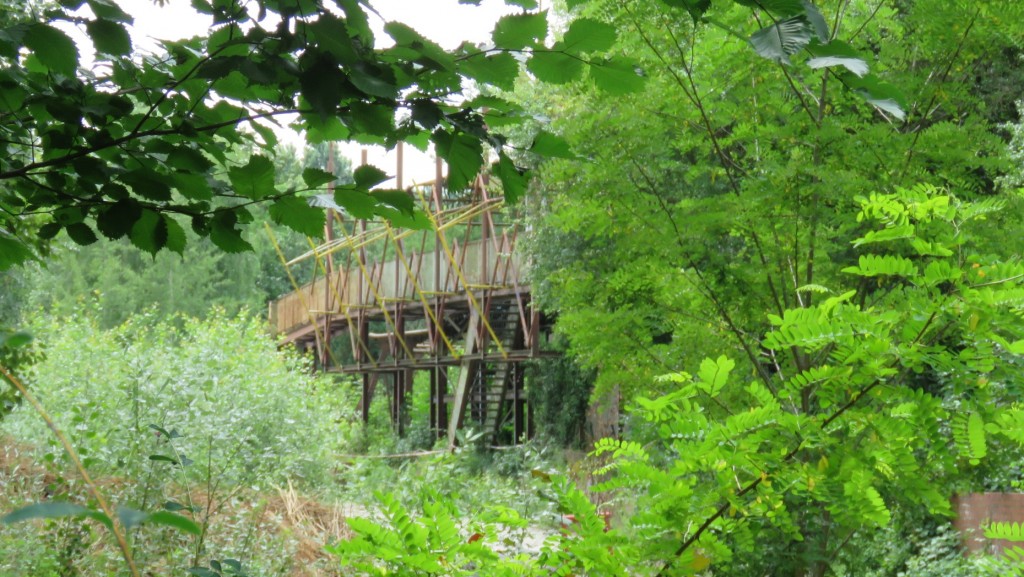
(468, 368)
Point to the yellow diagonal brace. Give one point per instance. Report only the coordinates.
(383, 308)
(291, 278)
(344, 310)
(355, 241)
(462, 277)
(423, 299)
(327, 282)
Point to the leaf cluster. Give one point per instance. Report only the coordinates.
(134, 147)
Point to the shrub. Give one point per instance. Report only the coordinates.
(239, 408)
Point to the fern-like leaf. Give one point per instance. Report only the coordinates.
(1005, 531)
(872, 265)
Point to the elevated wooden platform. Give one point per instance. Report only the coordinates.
(451, 302)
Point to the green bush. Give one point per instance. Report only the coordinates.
(239, 409)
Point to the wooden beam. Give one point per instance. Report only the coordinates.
(468, 367)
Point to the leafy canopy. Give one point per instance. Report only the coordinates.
(131, 147)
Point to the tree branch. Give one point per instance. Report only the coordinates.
(62, 160)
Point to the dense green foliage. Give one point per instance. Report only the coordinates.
(130, 149)
(559, 396)
(741, 211)
(121, 280)
(189, 417)
(713, 198)
(234, 400)
(823, 212)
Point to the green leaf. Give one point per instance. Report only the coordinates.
(332, 35)
(696, 8)
(878, 93)
(940, 271)
(1005, 530)
(130, 518)
(315, 178)
(499, 70)
(616, 77)
(513, 181)
(192, 185)
(518, 31)
(552, 146)
(817, 20)
(888, 234)
(188, 159)
(976, 437)
(160, 430)
(367, 176)
(149, 232)
(81, 233)
(371, 120)
(416, 220)
(49, 230)
(589, 35)
(836, 53)
(357, 203)
(224, 234)
(255, 180)
(555, 67)
(878, 512)
(174, 506)
(430, 52)
(464, 155)
(176, 238)
(871, 265)
(147, 183)
(714, 374)
(69, 215)
(321, 86)
(117, 220)
(357, 21)
(13, 252)
(295, 213)
(776, 7)
(374, 81)
(45, 510)
(15, 340)
(778, 41)
(175, 521)
(109, 10)
(12, 97)
(219, 67)
(269, 137)
(398, 199)
(54, 49)
(109, 37)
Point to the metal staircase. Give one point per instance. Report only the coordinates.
(484, 393)
(495, 378)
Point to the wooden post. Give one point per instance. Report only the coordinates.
(438, 392)
(364, 407)
(438, 289)
(362, 325)
(469, 367)
(397, 385)
(518, 402)
(325, 359)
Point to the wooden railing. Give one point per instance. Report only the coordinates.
(489, 264)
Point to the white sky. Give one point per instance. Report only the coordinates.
(444, 21)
